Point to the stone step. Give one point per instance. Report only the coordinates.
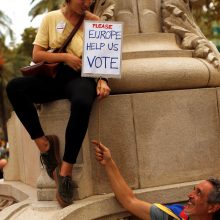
(154, 54)
(150, 42)
(46, 187)
(164, 73)
(152, 45)
(100, 207)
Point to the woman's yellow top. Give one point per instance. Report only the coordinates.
(54, 30)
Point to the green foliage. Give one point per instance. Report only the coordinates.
(13, 60)
(44, 6)
(5, 23)
(205, 14)
(26, 47)
(18, 55)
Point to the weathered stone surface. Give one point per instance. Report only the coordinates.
(150, 42)
(164, 73)
(112, 123)
(23, 152)
(126, 11)
(95, 207)
(175, 131)
(6, 201)
(149, 15)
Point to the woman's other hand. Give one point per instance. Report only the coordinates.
(102, 89)
(73, 61)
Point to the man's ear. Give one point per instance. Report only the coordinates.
(214, 208)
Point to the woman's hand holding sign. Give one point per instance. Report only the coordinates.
(102, 89)
(102, 53)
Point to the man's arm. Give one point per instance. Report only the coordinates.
(120, 188)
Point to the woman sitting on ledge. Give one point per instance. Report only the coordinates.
(23, 92)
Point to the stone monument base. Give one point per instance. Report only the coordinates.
(156, 138)
(99, 207)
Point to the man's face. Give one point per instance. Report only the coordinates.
(197, 204)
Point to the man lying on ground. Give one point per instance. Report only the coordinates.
(203, 203)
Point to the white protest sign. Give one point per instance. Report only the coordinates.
(102, 49)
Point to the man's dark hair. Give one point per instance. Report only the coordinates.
(214, 195)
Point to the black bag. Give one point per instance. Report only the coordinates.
(42, 68)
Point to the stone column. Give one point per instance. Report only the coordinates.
(139, 16)
(126, 11)
(149, 15)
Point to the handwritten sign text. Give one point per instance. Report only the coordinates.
(102, 49)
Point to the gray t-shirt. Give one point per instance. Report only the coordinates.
(157, 214)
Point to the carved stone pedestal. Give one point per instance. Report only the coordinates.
(161, 120)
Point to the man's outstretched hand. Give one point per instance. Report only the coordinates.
(102, 153)
(122, 191)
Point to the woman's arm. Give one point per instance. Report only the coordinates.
(40, 54)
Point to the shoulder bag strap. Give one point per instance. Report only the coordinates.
(73, 32)
(167, 210)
